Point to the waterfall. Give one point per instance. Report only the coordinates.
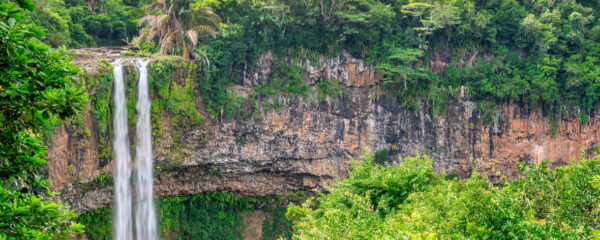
(122, 172)
(145, 214)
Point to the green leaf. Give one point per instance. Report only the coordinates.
(11, 22)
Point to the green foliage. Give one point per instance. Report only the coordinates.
(79, 37)
(173, 93)
(502, 49)
(285, 78)
(102, 99)
(331, 88)
(201, 216)
(98, 224)
(277, 225)
(543, 204)
(36, 88)
(381, 157)
(234, 105)
(354, 208)
(103, 180)
(130, 82)
(207, 216)
(102, 107)
(178, 26)
(55, 24)
(77, 126)
(86, 23)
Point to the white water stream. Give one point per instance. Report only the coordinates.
(145, 214)
(122, 171)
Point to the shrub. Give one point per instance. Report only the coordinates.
(409, 201)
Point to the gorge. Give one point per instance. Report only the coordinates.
(308, 142)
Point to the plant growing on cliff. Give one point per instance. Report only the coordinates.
(174, 95)
(285, 78)
(36, 87)
(177, 26)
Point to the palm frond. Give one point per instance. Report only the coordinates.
(158, 5)
(204, 16)
(192, 36)
(148, 18)
(177, 27)
(142, 34)
(200, 52)
(161, 20)
(167, 44)
(151, 34)
(205, 29)
(205, 20)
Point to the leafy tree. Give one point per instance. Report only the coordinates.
(408, 200)
(363, 23)
(35, 88)
(177, 26)
(432, 17)
(401, 67)
(354, 208)
(55, 24)
(328, 8)
(74, 23)
(536, 35)
(79, 37)
(507, 19)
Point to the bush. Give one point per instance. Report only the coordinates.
(409, 201)
(381, 156)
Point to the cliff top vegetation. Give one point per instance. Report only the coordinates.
(542, 54)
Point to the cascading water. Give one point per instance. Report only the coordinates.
(145, 214)
(122, 172)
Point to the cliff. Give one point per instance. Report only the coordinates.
(310, 141)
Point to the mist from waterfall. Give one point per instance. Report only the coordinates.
(122, 172)
(145, 214)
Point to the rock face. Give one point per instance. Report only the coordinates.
(350, 71)
(308, 143)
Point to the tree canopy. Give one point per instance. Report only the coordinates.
(502, 50)
(409, 200)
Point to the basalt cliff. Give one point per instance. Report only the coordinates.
(308, 142)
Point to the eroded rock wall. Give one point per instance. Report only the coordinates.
(308, 143)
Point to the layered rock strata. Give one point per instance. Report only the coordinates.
(309, 143)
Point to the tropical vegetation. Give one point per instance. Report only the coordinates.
(543, 55)
(199, 216)
(177, 26)
(540, 54)
(409, 200)
(36, 88)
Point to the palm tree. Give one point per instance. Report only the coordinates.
(177, 26)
